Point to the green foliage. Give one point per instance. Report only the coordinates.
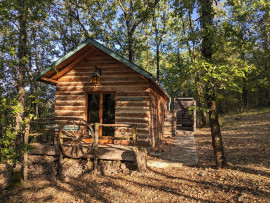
(218, 77)
(8, 135)
(8, 109)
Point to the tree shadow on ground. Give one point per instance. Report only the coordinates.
(209, 184)
(78, 188)
(165, 189)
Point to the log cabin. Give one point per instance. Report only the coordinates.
(96, 84)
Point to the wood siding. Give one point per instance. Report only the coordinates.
(117, 78)
(170, 124)
(158, 105)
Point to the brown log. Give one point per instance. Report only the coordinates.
(71, 113)
(65, 118)
(49, 80)
(132, 104)
(71, 103)
(131, 120)
(86, 65)
(72, 108)
(133, 115)
(132, 94)
(140, 158)
(105, 74)
(70, 97)
(69, 93)
(102, 88)
(116, 125)
(104, 83)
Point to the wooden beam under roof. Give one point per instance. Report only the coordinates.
(49, 80)
(70, 66)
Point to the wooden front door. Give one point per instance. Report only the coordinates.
(101, 109)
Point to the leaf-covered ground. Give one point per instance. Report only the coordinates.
(247, 179)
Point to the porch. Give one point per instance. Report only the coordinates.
(79, 139)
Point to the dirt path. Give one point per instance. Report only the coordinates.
(182, 152)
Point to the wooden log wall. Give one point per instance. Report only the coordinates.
(170, 123)
(158, 105)
(132, 93)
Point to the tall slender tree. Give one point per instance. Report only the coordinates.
(208, 30)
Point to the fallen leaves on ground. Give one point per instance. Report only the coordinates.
(246, 179)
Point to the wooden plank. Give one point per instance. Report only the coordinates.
(71, 108)
(132, 94)
(116, 125)
(69, 103)
(142, 136)
(103, 89)
(103, 65)
(70, 97)
(65, 118)
(131, 104)
(131, 110)
(131, 99)
(133, 115)
(107, 83)
(104, 78)
(131, 120)
(107, 151)
(104, 73)
(142, 130)
(71, 93)
(69, 113)
(49, 80)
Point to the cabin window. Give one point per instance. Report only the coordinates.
(101, 109)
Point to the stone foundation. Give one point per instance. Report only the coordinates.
(47, 167)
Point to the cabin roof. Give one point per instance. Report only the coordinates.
(78, 55)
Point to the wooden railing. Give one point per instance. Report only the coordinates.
(45, 130)
(132, 138)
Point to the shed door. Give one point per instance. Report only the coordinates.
(101, 109)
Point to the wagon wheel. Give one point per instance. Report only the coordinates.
(75, 137)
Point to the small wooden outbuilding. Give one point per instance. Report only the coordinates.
(185, 113)
(122, 93)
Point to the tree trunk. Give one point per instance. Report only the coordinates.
(206, 21)
(204, 118)
(130, 47)
(157, 61)
(22, 56)
(216, 133)
(25, 154)
(244, 94)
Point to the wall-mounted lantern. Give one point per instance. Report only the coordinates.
(95, 77)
